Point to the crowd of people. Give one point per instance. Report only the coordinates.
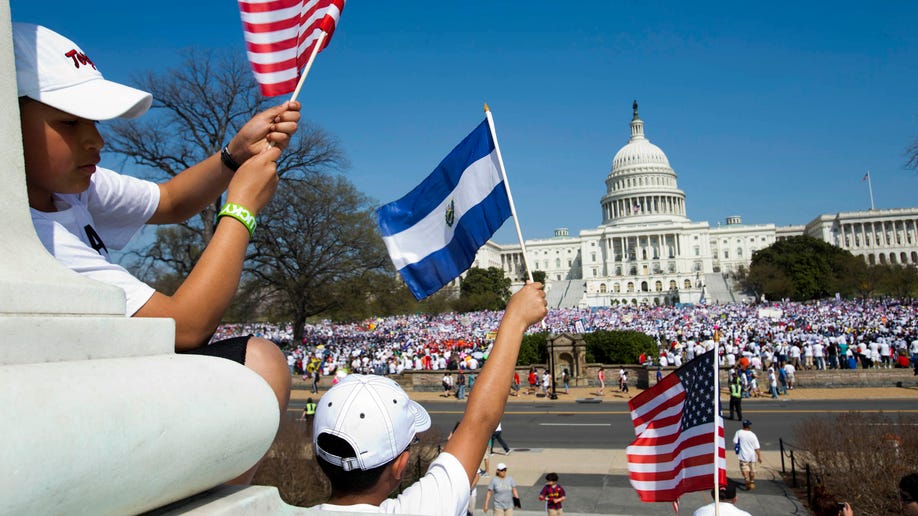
(785, 336)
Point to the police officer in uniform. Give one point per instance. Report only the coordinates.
(736, 398)
(309, 410)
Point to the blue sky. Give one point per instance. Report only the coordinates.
(771, 111)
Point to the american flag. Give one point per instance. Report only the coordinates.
(675, 422)
(280, 36)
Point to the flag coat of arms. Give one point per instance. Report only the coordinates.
(676, 425)
(280, 36)
(433, 233)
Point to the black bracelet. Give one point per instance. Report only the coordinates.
(228, 160)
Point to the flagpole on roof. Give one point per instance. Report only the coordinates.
(870, 189)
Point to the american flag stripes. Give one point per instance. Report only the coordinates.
(280, 36)
(675, 422)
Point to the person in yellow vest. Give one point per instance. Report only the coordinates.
(736, 398)
(309, 410)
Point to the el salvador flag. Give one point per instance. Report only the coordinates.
(433, 233)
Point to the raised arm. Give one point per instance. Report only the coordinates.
(489, 397)
(190, 191)
(200, 302)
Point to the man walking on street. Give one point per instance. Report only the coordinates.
(749, 453)
(460, 385)
(496, 436)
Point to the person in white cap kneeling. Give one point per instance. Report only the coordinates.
(365, 424)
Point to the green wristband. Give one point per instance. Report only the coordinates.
(239, 213)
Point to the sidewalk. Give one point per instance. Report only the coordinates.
(596, 482)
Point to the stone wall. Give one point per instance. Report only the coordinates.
(643, 377)
(857, 378)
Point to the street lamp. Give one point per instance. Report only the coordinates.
(551, 364)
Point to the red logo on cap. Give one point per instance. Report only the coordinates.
(79, 58)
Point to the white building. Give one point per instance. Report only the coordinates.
(646, 251)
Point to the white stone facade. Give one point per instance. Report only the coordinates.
(646, 251)
(879, 236)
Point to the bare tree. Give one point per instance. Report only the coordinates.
(198, 107)
(316, 247)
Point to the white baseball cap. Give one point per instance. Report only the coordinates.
(55, 71)
(371, 413)
(501, 466)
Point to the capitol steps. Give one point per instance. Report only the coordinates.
(716, 290)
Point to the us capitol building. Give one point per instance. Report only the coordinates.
(647, 251)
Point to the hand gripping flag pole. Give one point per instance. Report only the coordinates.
(279, 33)
(312, 57)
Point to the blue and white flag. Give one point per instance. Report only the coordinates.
(433, 233)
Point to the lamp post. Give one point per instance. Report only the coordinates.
(551, 364)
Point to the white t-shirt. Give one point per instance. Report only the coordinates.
(748, 442)
(443, 490)
(106, 216)
(726, 509)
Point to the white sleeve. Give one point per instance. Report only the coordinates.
(443, 491)
(76, 255)
(120, 205)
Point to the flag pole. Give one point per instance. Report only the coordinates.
(717, 424)
(312, 57)
(870, 190)
(503, 174)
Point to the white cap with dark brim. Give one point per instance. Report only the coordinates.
(55, 71)
(374, 415)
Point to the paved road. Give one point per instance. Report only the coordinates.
(608, 425)
(584, 444)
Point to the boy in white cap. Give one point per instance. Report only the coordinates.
(365, 424)
(81, 210)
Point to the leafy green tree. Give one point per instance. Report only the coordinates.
(770, 280)
(534, 349)
(899, 281)
(618, 347)
(801, 268)
(483, 289)
(538, 276)
(317, 248)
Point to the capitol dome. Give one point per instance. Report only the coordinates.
(641, 187)
(639, 152)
